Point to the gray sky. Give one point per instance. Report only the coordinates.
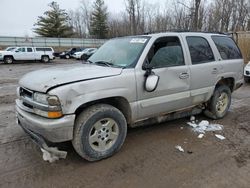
(18, 16)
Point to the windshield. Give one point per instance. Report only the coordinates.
(10, 48)
(121, 52)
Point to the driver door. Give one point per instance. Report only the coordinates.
(173, 91)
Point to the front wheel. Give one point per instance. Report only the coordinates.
(247, 79)
(84, 57)
(220, 102)
(67, 56)
(99, 132)
(8, 60)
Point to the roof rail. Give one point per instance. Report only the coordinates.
(186, 30)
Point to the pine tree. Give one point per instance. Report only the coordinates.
(54, 23)
(99, 17)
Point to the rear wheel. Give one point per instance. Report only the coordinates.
(45, 59)
(8, 59)
(99, 132)
(220, 102)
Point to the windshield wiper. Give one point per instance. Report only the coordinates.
(105, 63)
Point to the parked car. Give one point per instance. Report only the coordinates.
(44, 54)
(69, 53)
(85, 54)
(247, 73)
(129, 80)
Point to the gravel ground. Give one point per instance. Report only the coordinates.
(147, 159)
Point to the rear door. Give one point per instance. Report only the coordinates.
(30, 54)
(205, 68)
(172, 93)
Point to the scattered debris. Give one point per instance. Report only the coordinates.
(192, 119)
(204, 126)
(201, 136)
(190, 152)
(220, 137)
(47, 156)
(179, 148)
(182, 128)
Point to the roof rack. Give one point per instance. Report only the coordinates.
(186, 30)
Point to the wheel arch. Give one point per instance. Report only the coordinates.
(120, 103)
(9, 56)
(229, 81)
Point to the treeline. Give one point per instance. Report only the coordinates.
(92, 19)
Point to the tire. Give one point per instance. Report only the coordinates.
(45, 59)
(67, 56)
(84, 57)
(99, 132)
(247, 79)
(219, 104)
(8, 60)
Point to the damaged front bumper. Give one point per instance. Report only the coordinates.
(53, 130)
(43, 130)
(41, 142)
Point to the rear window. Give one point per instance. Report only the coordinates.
(227, 47)
(44, 49)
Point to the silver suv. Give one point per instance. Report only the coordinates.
(129, 81)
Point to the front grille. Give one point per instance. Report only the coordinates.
(247, 73)
(27, 105)
(26, 93)
(26, 96)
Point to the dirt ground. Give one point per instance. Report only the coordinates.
(147, 159)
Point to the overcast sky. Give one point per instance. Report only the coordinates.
(18, 16)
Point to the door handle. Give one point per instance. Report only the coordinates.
(184, 75)
(215, 71)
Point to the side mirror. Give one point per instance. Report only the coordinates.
(151, 82)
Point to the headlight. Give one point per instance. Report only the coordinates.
(63, 53)
(41, 98)
(50, 105)
(47, 99)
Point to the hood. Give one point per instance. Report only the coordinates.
(43, 80)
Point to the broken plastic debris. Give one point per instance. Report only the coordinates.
(220, 137)
(49, 156)
(179, 148)
(53, 154)
(192, 119)
(201, 136)
(204, 126)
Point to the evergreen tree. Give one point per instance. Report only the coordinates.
(54, 23)
(99, 17)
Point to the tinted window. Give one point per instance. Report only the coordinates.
(166, 52)
(43, 49)
(21, 49)
(200, 50)
(227, 47)
(29, 50)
